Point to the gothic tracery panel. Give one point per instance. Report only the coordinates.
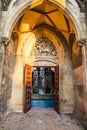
(43, 47)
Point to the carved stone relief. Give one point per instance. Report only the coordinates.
(43, 47)
(81, 4)
(81, 42)
(4, 41)
(77, 53)
(5, 4)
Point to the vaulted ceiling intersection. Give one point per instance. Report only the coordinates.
(50, 16)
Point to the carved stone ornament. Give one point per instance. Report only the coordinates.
(5, 4)
(81, 4)
(5, 41)
(81, 42)
(43, 47)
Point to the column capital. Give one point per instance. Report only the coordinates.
(81, 42)
(82, 5)
(5, 4)
(4, 40)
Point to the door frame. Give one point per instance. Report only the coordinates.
(31, 85)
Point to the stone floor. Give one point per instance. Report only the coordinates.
(40, 120)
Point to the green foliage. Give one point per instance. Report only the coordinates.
(35, 90)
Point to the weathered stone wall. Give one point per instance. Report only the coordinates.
(85, 90)
(86, 66)
(67, 81)
(1, 64)
(18, 82)
(79, 90)
(1, 54)
(86, 81)
(0, 18)
(8, 62)
(6, 84)
(79, 82)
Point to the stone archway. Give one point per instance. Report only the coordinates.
(38, 54)
(25, 38)
(21, 8)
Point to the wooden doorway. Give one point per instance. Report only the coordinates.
(43, 87)
(28, 88)
(56, 89)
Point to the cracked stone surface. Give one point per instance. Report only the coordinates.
(40, 120)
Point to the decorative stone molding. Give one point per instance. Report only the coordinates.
(5, 4)
(5, 41)
(81, 42)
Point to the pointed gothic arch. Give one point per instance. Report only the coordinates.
(65, 64)
(20, 10)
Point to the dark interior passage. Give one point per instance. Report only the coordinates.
(42, 88)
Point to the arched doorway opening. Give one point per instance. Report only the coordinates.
(51, 21)
(43, 34)
(42, 86)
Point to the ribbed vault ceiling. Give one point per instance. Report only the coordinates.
(51, 16)
(48, 13)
